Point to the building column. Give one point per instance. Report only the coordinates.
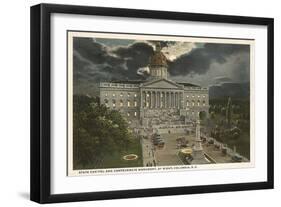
(157, 99)
(152, 100)
(164, 101)
(145, 99)
(182, 101)
(150, 97)
(171, 100)
(161, 99)
(140, 99)
(167, 100)
(176, 100)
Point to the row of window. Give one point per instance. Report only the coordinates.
(121, 103)
(161, 95)
(193, 96)
(193, 103)
(133, 114)
(121, 95)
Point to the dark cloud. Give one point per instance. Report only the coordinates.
(198, 61)
(95, 61)
(120, 62)
(94, 52)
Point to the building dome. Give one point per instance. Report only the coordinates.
(158, 58)
(158, 64)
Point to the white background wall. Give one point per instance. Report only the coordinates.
(14, 104)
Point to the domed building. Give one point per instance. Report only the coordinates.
(157, 100)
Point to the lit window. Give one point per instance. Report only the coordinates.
(129, 103)
(204, 96)
(128, 114)
(135, 113)
(113, 95)
(136, 95)
(187, 103)
(147, 95)
(135, 104)
(106, 94)
(128, 94)
(121, 103)
(121, 95)
(193, 103)
(192, 96)
(198, 96)
(187, 96)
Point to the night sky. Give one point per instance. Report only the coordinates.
(205, 64)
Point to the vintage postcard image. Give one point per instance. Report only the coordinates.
(152, 103)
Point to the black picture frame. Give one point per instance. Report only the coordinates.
(41, 99)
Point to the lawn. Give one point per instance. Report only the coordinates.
(242, 144)
(115, 160)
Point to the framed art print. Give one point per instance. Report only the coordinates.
(132, 103)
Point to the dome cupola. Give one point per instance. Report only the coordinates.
(158, 63)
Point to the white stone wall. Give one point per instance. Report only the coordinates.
(122, 97)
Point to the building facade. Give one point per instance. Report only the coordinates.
(157, 100)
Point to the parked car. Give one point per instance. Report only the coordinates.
(156, 142)
(237, 158)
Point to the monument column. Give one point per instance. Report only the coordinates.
(198, 153)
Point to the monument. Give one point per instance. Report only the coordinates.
(198, 153)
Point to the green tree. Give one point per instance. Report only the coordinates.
(97, 131)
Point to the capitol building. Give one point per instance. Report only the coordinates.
(157, 100)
